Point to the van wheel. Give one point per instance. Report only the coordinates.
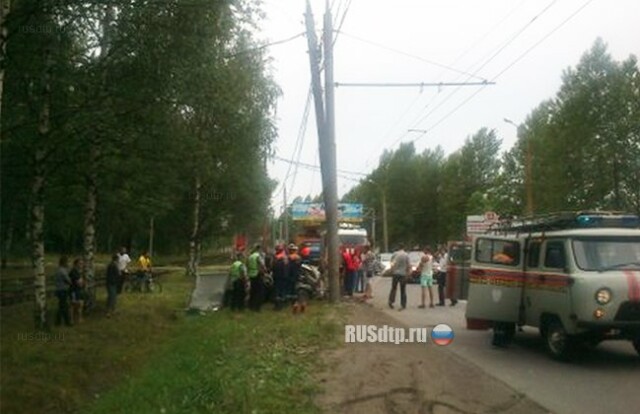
(559, 344)
(636, 345)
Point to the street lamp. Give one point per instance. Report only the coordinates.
(527, 170)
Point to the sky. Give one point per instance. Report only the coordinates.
(524, 46)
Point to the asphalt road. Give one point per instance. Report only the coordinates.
(603, 380)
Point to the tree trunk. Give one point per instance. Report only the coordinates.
(5, 7)
(90, 218)
(7, 241)
(192, 266)
(37, 199)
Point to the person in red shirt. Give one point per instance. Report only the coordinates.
(350, 269)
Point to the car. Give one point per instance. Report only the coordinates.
(384, 261)
(414, 260)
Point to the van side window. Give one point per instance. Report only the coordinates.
(554, 256)
(501, 252)
(534, 254)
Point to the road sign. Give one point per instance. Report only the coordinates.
(480, 224)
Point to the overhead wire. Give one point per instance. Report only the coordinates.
(499, 50)
(410, 55)
(509, 66)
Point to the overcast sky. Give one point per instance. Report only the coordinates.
(522, 45)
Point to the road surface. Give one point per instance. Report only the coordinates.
(605, 380)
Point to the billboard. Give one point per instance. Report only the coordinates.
(480, 224)
(347, 212)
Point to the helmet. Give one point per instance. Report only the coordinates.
(293, 247)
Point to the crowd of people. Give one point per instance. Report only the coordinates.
(265, 277)
(71, 285)
(432, 266)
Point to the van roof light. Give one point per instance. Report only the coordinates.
(567, 220)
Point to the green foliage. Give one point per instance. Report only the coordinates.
(585, 154)
(166, 91)
(216, 364)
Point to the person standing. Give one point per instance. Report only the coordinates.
(63, 284)
(255, 271)
(359, 272)
(369, 264)
(144, 269)
(77, 290)
(400, 269)
(350, 269)
(123, 262)
(426, 277)
(113, 278)
(293, 272)
(280, 275)
(441, 276)
(237, 282)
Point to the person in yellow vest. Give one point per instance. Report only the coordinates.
(255, 272)
(237, 284)
(144, 268)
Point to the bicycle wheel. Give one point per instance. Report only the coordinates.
(154, 286)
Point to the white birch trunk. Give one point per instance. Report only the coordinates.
(90, 220)
(5, 7)
(192, 266)
(37, 200)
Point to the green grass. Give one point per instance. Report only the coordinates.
(228, 363)
(151, 357)
(68, 367)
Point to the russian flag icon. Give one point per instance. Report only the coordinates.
(442, 334)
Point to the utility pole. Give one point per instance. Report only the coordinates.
(331, 193)
(286, 219)
(326, 142)
(385, 230)
(373, 227)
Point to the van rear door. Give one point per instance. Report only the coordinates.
(496, 279)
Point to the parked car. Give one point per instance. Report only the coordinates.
(414, 260)
(384, 261)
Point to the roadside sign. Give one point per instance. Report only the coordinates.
(480, 224)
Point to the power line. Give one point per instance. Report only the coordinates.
(410, 84)
(486, 62)
(411, 56)
(316, 167)
(261, 47)
(571, 16)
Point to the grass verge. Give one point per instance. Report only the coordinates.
(231, 363)
(151, 357)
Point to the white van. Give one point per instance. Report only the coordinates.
(576, 277)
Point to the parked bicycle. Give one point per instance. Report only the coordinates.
(142, 282)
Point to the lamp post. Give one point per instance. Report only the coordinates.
(528, 182)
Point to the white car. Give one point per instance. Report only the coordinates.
(384, 261)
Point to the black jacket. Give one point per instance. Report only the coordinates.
(113, 274)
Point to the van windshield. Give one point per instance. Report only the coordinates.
(602, 253)
(353, 239)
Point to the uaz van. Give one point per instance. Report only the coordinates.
(576, 277)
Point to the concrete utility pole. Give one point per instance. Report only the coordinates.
(326, 141)
(286, 218)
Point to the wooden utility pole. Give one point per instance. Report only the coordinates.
(326, 140)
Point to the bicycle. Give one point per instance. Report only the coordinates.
(142, 283)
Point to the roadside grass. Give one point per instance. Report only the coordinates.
(64, 369)
(232, 363)
(153, 357)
